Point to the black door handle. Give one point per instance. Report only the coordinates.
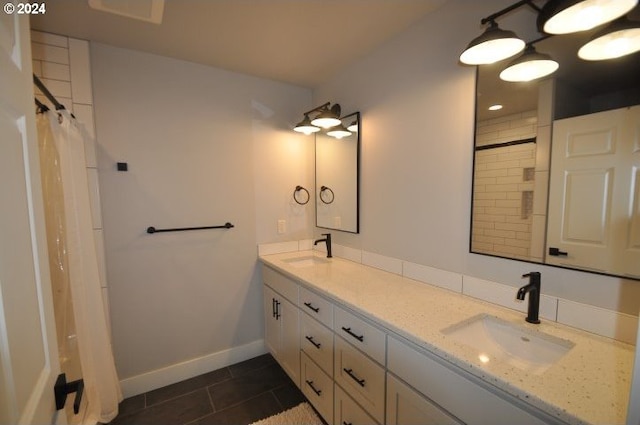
(62, 388)
(556, 252)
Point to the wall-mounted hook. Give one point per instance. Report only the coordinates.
(295, 195)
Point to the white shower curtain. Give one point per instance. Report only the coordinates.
(101, 382)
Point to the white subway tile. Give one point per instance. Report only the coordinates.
(57, 88)
(505, 295)
(48, 53)
(56, 71)
(80, 71)
(382, 262)
(94, 197)
(84, 116)
(47, 38)
(608, 323)
(107, 311)
(37, 67)
(438, 277)
(277, 247)
(98, 240)
(347, 253)
(305, 245)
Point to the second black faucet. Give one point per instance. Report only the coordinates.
(533, 288)
(327, 239)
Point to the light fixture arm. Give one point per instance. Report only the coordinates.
(317, 108)
(492, 18)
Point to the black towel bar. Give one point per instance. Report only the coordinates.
(152, 229)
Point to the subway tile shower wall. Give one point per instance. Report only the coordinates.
(63, 65)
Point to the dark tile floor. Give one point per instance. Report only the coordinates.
(239, 394)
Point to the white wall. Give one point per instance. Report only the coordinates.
(204, 146)
(417, 107)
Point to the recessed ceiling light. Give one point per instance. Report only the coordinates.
(495, 107)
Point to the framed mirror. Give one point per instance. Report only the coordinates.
(338, 178)
(557, 168)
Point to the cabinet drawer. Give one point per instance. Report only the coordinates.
(316, 306)
(281, 284)
(348, 412)
(317, 342)
(458, 391)
(408, 407)
(360, 333)
(362, 378)
(317, 387)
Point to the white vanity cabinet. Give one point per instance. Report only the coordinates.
(282, 324)
(405, 406)
(354, 371)
(458, 394)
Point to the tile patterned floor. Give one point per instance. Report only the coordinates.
(238, 394)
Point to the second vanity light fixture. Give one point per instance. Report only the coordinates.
(327, 118)
(555, 17)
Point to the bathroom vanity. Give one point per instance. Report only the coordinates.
(366, 346)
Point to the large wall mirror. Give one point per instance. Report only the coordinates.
(557, 169)
(337, 178)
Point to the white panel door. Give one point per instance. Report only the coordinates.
(593, 192)
(28, 350)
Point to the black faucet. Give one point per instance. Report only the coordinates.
(328, 241)
(533, 288)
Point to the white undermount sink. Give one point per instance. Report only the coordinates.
(306, 261)
(499, 340)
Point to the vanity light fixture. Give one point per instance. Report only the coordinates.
(529, 66)
(338, 132)
(305, 126)
(556, 17)
(495, 107)
(569, 16)
(492, 46)
(328, 117)
(620, 38)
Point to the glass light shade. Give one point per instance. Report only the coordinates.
(326, 119)
(353, 127)
(530, 66)
(618, 39)
(339, 132)
(305, 126)
(492, 46)
(569, 16)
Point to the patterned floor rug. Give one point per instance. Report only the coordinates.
(302, 414)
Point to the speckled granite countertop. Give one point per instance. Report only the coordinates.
(588, 385)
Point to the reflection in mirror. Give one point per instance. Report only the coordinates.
(337, 178)
(557, 168)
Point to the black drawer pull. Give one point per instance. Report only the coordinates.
(273, 306)
(310, 383)
(278, 310)
(358, 337)
(354, 377)
(315, 344)
(316, 309)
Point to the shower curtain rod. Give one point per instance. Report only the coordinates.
(48, 95)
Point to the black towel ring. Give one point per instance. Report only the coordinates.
(295, 197)
(324, 189)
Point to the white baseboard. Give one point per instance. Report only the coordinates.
(188, 369)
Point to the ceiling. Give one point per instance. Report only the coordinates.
(301, 42)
